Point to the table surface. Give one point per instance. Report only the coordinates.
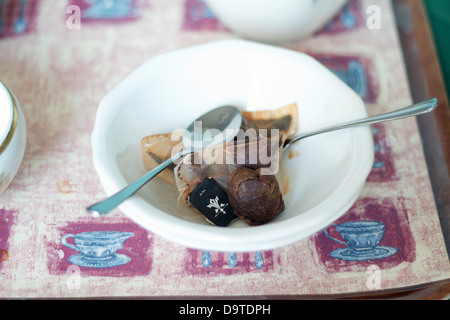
(60, 73)
(425, 71)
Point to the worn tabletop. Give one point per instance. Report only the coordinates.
(60, 65)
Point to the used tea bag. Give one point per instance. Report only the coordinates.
(258, 145)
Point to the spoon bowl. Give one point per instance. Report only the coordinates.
(217, 126)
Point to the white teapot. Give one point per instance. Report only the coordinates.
(12, 136)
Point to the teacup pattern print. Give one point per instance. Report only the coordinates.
(95, 10)
(350, 18)
(17, 17)
(118, 249)
(372, 231)
(358, 72)
(361, 239)
(198, 16)
(98, 248)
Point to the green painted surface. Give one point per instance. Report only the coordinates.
(439, 15)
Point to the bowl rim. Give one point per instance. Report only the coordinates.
(222, 239)
(11, 127)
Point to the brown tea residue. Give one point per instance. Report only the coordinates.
(293, 154)
(4, 255)
(283, 181)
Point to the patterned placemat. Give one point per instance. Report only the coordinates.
(61, 57)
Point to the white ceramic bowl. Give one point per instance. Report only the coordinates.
(12, 136)
(275, 21)
(171, 90)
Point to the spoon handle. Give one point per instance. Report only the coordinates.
(413, 110)
(115, 200)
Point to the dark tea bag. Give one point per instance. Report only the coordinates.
(212, 201)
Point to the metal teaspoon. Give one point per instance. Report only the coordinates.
(413, 110)
(224, 121)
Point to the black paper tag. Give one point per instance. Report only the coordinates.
(212, 201)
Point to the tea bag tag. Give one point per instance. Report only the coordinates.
(212, 201)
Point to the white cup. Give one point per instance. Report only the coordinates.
(12, 136)
(275, 21)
